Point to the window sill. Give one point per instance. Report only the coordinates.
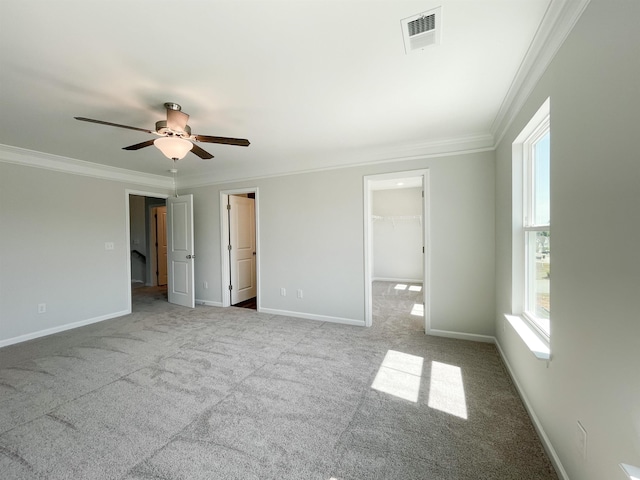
(538, 346)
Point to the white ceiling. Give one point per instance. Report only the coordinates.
(312, 84)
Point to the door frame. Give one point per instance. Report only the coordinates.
(369, 181)
(127, 227)
(224, 242)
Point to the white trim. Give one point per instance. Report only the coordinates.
(204, 180)
(313, 316)
(62, 328)
(630, 471)
(225, 274)
(546, 442)
(224, 242)
(560, 18)
(521, 199)
(473, 337)
(398, 280)
(56, 163)
(526, 330)
(368, 181)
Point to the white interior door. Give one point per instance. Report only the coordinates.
(180, 251)
(242, 254)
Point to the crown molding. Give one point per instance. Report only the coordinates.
(375, 156)
(443, 146)
(47, 161)
(559, 19)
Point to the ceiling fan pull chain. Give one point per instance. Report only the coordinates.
(174, 172)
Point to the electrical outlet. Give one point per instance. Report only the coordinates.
(299, 293)
(283, 292)
(205, 284)
(42, 308)
(108, 245)
(581, 440)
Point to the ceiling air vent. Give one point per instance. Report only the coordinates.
(421, 30)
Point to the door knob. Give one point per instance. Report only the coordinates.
(191, 256)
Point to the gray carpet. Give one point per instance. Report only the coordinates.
(212, 393)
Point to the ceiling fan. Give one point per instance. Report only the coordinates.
(175, 138)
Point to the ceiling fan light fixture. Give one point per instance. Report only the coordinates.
(174, 148)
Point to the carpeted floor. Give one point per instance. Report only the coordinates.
(211, 393)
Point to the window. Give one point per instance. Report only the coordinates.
(532, 223)
(537, 231)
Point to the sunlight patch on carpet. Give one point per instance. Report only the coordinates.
(418, 310)
(399, 375)
(446, 391)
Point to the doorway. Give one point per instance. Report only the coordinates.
(396, 208)
(240, 256)
(141, 234)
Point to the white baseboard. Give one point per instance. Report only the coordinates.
(312, 316)
(208, 303)
(462, 336)
(61, 328)
(546, 443)
(398, 280)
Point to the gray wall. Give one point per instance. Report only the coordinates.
(311, 237)
(52, 249)
(397, 235)
(594, 86)
(138, 237)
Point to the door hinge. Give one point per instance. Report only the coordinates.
(422, 249)
(422, 193)
(228, 206)
(230, 287)
(229, 247)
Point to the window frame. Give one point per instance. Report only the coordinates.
(524, 219)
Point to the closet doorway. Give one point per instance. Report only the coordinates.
(396, 238)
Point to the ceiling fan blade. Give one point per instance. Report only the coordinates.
(176, 120)
(83, 119)
(203, 154)
(138, 146)
(241, 142)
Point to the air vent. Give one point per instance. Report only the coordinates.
(422, 25)
(422, 30)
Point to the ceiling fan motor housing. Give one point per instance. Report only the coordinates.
(162, 129)
(172, 106)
